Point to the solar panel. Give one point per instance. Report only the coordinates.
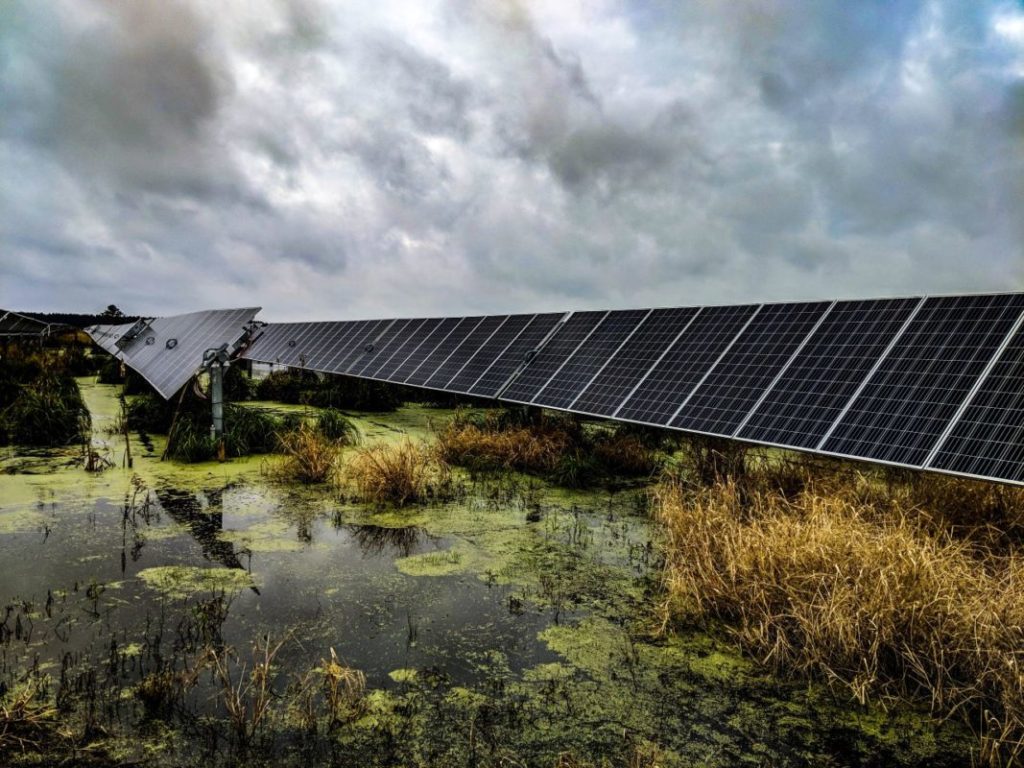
(107, 336)
(399, 337)
(422, 351)
(988, 438)
(416, 338)
(354, 349)
(670, 381)
(566, 338)
(15, 324)
(907, 403)
(443, 350)
(733, 386)
(578, 370)
(384, 344)
(171, 349)
(622, 371)
(464, 352)
(514, 355)
(488, 352)
(812, 391)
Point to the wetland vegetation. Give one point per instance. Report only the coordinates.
(420, 585)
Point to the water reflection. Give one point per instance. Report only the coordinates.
(379, 540)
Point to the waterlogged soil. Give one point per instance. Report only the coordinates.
(515, 625)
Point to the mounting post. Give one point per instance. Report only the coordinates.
(215, 360)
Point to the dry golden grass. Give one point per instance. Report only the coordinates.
(399, 474)
(842, 583)
(308, 456)
(27, 719)
(483, 447)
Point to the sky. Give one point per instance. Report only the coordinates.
(334, 160)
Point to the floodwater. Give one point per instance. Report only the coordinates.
(516, 625)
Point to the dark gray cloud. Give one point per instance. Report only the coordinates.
(335, 160)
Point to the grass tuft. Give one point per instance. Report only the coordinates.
(309, 457)
(399, 474)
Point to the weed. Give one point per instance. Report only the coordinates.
(309, 457)
(399, 474)
(332, 424)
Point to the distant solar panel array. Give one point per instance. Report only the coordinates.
(924, 382)
(15, 325)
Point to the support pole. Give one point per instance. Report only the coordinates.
(217, 398)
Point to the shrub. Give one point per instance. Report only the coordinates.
(332, 424)
(309, 457)
(399, 474)
(46, 411)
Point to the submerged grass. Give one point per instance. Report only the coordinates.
(840, 583)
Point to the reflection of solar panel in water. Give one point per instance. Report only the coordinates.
(488, 353)
(810, 395)
(988, 439)
(514, 355)
(560, 346)
(627, 368)
(719, 404)
(171, 349)
(689, 358)
(443, 350)
(909, 400)
(421, 352)
(577, 371)
(465, 351)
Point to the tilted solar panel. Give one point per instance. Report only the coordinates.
(580, 367)
(515, 354)
(359, 345)
(384, 344)
(909, 400)
(735, 383)
(670, 381)
(463, 353)
(567, 337)
(440, 331)
(417, 339)
(624, 370)
(988, 438)
(444, 350)
(170, 350)
(107, 336)
(488, 353)
(812, 391)
(398, 338)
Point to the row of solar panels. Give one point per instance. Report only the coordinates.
(13, 324)
(934, 382)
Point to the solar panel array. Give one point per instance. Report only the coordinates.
(13, 324)
(922, 382)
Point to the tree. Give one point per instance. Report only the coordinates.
(112, 313)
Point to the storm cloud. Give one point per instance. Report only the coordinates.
(338, 160)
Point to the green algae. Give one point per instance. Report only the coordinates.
(21, 520)
(273, 535)
(179, 581)
(403, 675)
(443, 563)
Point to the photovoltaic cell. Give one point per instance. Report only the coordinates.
(909, 400)
(443, 350)
(579, 369)
(630, 364)
(488, 353)
(820, 381)
(735, 383)
(668, 384)
(514, 355)
(420, 353)
(462, 354)
(559, 347)
(988, 439)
